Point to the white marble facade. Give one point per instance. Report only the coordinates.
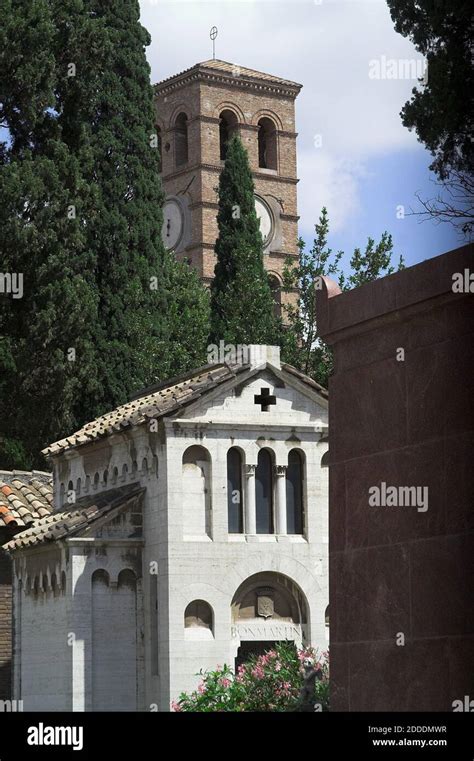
(124, 617)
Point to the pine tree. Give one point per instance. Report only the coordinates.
(241, 301)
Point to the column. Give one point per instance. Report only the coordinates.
(281, 499)
(250, 511)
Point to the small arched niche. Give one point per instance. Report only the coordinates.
(198, 621)
(196, 486)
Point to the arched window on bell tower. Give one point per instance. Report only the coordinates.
(227, 127)
(275, 288)
(181, 139)
(267, 144)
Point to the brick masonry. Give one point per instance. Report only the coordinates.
(203, 100)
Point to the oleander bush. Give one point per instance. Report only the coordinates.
(269, 682)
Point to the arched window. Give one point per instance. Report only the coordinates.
(294, 493)
(198, 620)
(181, 139)
(227, 126)
(325, 460)
(159, 145)
(234, 492)
(267, 144)
(196, 491)
(276, 294)
(264, 493)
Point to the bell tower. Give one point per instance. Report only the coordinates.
(197, 110)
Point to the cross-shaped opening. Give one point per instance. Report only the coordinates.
(264, 399)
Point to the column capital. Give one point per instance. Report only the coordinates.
(250, 470)
(280, 470)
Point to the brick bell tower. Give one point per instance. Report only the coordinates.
(197, 110)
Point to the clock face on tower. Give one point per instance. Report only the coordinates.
(173, 223)
(266, 220)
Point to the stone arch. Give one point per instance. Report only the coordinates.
(268, 607)
(115, 473)
(124, 471)
(78, 487)
(196, 491)
(325, 460)
(267, 113)
(198, 620)
(105, 477)
(228, 105)
(144, 466)
(96, 479)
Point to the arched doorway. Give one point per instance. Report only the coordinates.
(268, 607)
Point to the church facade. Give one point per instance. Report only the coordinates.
(189, 529)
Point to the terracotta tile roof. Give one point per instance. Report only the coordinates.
(152, 403)
(227, 68)
(25, 496)
(76, 519)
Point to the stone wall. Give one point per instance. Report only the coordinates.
(401, 413)
(5, 617)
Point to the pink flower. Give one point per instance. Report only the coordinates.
(278, 666)
(202, 688)
(175, 706)
(258, 672)
(225, 682)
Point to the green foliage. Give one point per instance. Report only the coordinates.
(301, 346)
(81, 220)
(269, 682)
(241, 301)
(441, 110)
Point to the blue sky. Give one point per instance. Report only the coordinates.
(368, 164)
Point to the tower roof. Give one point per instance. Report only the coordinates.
(229, 73)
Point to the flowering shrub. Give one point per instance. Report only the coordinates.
(269, 682)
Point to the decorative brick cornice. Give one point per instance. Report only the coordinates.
(200, 73)
(217, 168)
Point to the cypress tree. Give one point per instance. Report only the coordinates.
(241, 300)
(139, 284)
(41, 246)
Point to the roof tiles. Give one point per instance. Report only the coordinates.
(25, 496)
